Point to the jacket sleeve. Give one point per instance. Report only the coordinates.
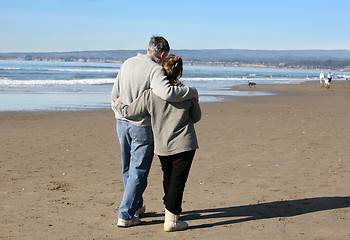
(195, 111)
(162, 87)
(138, 108)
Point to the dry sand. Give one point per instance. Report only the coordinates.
(273, 167)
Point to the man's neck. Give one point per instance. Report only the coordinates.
(157, 56)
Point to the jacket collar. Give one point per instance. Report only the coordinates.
(151, 57)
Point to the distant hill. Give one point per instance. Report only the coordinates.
(120, 55)
(231, 54)
(229, 57)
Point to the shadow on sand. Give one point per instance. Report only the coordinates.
(279, 209)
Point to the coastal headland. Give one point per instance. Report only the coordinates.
(295, 59)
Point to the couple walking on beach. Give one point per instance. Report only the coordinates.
(329, 77)
(155, 114)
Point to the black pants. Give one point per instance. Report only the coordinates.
(175, 173)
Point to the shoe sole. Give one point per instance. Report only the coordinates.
(125, 226)
(174, 229)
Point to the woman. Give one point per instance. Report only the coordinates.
(175, 140)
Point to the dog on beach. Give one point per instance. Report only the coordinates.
(326, 84)
(251, 84)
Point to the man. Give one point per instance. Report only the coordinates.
(136, 138)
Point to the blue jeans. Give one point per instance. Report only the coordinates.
(137, 154)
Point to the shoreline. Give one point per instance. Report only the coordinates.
(191, 63)
(268, 167)
(33, 102)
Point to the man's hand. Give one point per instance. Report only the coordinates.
(197, 98)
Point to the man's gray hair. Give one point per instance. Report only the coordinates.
(158, 44)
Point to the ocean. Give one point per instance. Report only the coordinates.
(73, 86)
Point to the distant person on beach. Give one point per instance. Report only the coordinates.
(136, 75)
(330, 76)
(321, 77)
(174, 138)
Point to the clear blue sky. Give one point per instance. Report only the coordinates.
(74, 25)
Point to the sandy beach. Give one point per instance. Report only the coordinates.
(269, 167)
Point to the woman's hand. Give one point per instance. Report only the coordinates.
(116, 102)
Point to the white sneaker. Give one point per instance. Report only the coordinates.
(172, 222)
(128, 223)
(139, 212)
